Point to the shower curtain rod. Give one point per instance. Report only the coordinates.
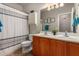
(13, 15)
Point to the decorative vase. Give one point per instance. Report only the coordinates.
(54, 33)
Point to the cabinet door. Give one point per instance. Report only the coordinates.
(36, 46)
(52, 47)
(57, 48)
(74, 49)
(44, 44)
(60, 48)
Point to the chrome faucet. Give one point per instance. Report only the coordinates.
(66, 34)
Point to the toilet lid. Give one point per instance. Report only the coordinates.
(26, 42)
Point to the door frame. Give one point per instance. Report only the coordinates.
(71, 19)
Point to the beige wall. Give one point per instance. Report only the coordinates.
(36, 7)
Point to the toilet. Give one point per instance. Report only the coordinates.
(26, 45)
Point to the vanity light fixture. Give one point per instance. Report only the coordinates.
(54, 5)
(61, 4)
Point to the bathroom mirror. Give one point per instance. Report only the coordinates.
(49, 20)
(52, 20)
(61, 17)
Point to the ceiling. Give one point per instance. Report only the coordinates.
(26, 7)
(41, 6)
(32, 4)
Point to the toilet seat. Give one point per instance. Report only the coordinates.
(26, 43)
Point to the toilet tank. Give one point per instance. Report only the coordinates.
(30, 37)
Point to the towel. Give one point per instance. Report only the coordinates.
(46, 27)
(75, 22)
(1, 25)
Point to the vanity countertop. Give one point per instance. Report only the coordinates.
(71, 38)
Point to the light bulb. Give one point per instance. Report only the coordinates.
(61, 4)
(52, 7)
(51, 4)
(48, 8)
(56, 6)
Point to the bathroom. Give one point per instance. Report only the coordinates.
(19, 26)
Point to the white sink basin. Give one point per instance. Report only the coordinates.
(60, 36)
(70, 37)
(73, 37)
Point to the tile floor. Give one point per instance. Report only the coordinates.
(19, 53)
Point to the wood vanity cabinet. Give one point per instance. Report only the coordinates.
(44, 44)
(40, 46)
(52, 47)
(73, 49)
(57, 48)
(36, 46)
